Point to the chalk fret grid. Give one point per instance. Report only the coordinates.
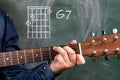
(38, 22)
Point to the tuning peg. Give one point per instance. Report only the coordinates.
(94, 52)
(115, 31)
(115, 38)
(91, 35)
(103, 32)
(105, 52)
(104, 40)
(118, 56)
(92, 42)
(106, 58)
(95, 59)
(117, 49)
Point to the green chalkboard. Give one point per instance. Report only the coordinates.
(80, 18)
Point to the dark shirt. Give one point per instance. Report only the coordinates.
(9, 42)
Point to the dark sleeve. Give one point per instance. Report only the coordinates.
(19, 72)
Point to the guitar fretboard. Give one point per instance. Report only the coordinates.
(29, 56)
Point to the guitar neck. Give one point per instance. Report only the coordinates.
(101, 46)
(29, 56)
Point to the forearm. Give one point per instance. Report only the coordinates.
(41, 72)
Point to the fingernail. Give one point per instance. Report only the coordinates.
(54, 48)
(75, 41)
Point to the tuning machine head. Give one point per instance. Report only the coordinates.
(118, 56)
(104, 40)
(91, 35)
(106, 58)
(116, 51)
(95, 59)
(115, 31)
(103, 32)
(105, 52)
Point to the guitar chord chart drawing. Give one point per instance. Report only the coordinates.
(38, 22)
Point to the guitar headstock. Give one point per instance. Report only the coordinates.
(101, 46)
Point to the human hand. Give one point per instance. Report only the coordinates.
(67, 58)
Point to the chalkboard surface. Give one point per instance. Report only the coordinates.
(80, 18)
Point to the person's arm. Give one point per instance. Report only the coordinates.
(19, 72)
(65, 59)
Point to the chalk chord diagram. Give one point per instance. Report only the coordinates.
(38, 22)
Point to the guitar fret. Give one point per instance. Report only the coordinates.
(50, 53)
(11, 58)
(1, 60)
(4, 59)
(17, 57)
(25, 56)
(41, 54)
(80, 50)
(33, 56)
